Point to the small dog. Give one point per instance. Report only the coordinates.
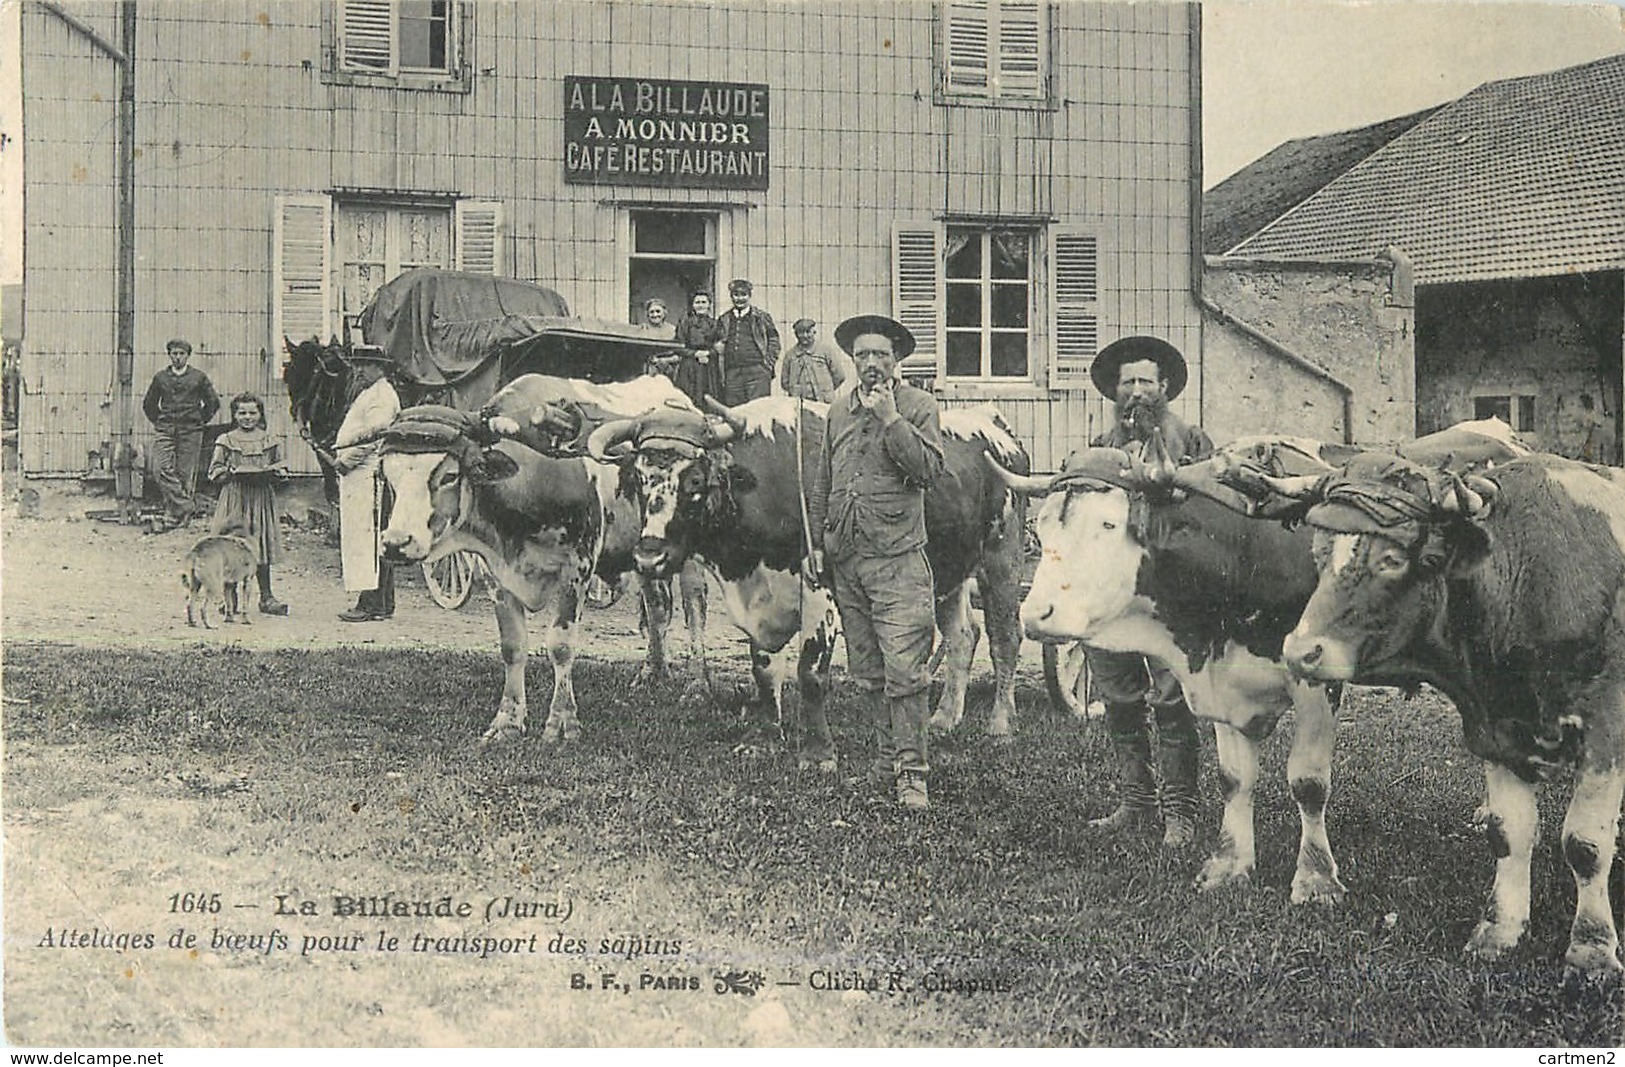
(215, 571)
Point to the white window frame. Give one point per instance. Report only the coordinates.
(1518, 406)
(994, 52)
(350, 24)
(986, 286)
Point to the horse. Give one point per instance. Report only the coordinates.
(318, 378)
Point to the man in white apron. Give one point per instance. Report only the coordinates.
(362, 491)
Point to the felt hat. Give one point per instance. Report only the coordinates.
(1104, 370)
(847, 333)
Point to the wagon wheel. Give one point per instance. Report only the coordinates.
(1066, 676)
(452, 578)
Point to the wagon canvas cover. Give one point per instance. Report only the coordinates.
(441, 326)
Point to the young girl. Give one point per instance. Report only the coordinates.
(249, 461)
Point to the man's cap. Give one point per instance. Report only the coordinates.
(1104, 370)
(368, 354)
(847, 333)
(804, 326)
(740, 285)
(180, 343)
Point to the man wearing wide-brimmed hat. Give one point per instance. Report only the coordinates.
(866, 508)
(1140, 375)
(364, 498)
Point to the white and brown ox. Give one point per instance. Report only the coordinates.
(1506, 590)
(733, 497)
(544, 523)
(1148, 559)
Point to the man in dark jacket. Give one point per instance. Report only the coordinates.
(1141, 375)
(866, 506)
(749, 347)
(179, 403)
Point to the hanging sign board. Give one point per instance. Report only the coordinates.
(640, 131)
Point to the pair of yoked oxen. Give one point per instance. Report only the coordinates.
(1264, 577)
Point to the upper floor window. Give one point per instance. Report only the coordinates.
(407, 43)
(994, 50)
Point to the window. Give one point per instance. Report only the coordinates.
(376, 242)
(994, 50)
(332, 255)
(407, 43)
(1517, 411)
(987, 275)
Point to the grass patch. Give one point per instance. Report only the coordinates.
(322, 772)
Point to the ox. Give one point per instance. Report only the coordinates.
(544, 524)
(732, 492)
(1128, 565)
(1506, 590)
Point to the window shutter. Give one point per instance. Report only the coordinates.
(480, 243)
(1020, 55)
(1077, 309)
(966, 69)
(916, 292)
(301, 233)
(366, 31)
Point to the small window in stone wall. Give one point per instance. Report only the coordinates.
(1516, 410)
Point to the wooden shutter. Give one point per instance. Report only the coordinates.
(480, 237)
(917, 292)
(366, 35)
(301, 301)
(965, 66)
(1077, 308)
(1019, 71)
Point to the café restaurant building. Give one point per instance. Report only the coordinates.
(1015, 179)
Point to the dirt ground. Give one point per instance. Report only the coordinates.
(66, 577)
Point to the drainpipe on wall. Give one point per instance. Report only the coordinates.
(124, 457)
(124, 237)
(1198, 264)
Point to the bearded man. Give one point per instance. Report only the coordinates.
(1141, 375)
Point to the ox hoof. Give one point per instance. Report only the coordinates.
(942, 722)
(505, 733)
(1317, 889)
(648, 674)
(823, 766)
(1491, 942)
(1221, 871)
(1591, 962)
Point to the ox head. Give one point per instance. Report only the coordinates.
(1089, 529)
(434, 458)
(671, 457)
(1386, 530)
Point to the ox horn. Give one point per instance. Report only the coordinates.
(1297, 487)
(1025, 484)
(729, 417)
(611, 441)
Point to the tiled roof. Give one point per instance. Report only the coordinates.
(1262, 191)
(1519, 178)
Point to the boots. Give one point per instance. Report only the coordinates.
(1176, 757)
(1137, 808)
(909, 733)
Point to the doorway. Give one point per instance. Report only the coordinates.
(674, 255)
